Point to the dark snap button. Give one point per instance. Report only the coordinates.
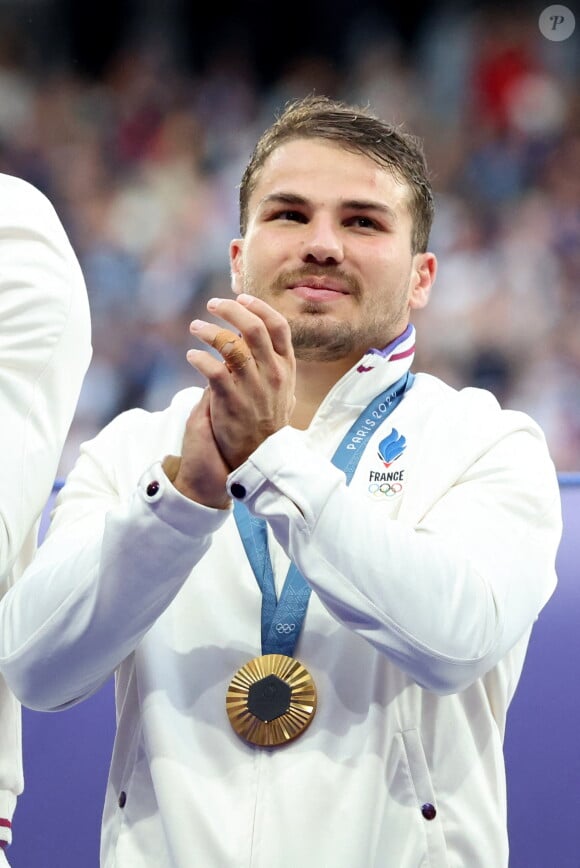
(428, 811)
(152, 488)
(238, 491)
(122, 799)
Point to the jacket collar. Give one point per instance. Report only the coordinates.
(376, 371)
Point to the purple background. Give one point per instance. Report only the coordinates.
(67, 754)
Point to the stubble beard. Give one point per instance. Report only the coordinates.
(315, 336)
(318, 337)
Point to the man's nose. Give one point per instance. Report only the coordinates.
(322, 244)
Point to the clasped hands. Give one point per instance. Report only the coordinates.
(250, 394)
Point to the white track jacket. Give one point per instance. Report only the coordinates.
(427, 577)
(45, 349)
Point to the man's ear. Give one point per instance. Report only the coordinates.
(236, 264)
(422, 279)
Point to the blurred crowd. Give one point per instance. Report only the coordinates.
(143, 160)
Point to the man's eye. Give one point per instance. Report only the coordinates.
(290, 215)
(363, 222)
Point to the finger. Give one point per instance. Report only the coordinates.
(233, 349)
(235, 357)
(275, 322)
(262, 326)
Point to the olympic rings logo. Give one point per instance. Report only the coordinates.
(385, 489)
(285, 628)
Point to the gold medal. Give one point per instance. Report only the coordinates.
(271, 700)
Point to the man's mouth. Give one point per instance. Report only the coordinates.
(318, 289)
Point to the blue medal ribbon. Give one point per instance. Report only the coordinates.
(282, 619)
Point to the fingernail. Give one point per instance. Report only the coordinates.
(213, 303)
(195, 325)
(245, 298)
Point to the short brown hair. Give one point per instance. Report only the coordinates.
(359, 130)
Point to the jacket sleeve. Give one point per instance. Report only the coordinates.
(109, 566)
(447, 589)
(45, 350)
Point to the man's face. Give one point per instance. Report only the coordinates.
(328, 245)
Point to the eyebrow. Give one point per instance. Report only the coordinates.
(349, 204)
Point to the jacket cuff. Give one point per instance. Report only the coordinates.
(158, 494)
(7, 806)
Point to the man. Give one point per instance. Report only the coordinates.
(45, 349)
(260, 724)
